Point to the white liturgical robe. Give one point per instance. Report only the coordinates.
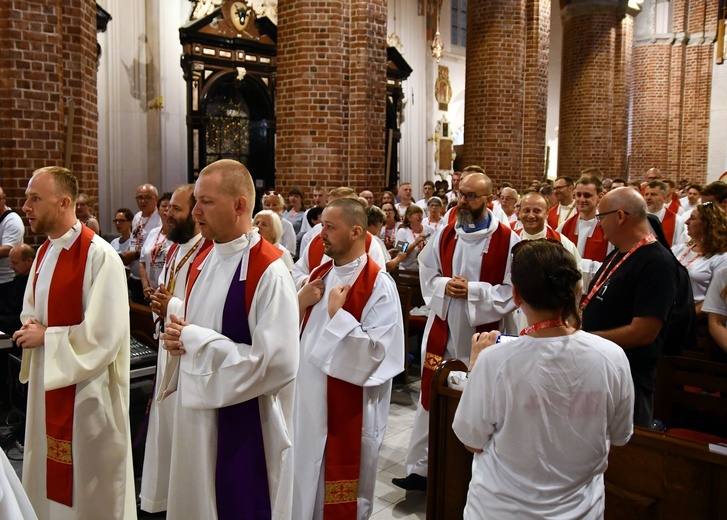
(157, 453)
(369, 354)
(94, 356)
(216, 372)
(14, 503)
(485, 303)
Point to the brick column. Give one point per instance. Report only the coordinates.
(595, 89)
(48, 57)
(672, 95)
(506, 88)
(331, 93)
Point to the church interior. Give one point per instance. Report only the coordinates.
(328, 93)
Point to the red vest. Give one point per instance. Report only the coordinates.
(315, 250)
(65, 308)
(596, 245)
(554, 215)
(492, 270)
(344, 411)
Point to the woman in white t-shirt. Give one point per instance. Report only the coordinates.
(715, 305)
(540, 412)
(154, 250)
(435, 213)
(413, 233)
(706, 251)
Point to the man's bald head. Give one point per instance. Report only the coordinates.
(353, 211)
(235, 180)
(21, 259)
(478, 182)
(627, 200)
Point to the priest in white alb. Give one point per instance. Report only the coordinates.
(187, 243)
(238, 346)
(75, 339)
(352, 345)
(464, 272)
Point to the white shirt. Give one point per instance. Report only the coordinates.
(154, 254)
(407, 235)
(544, 411)
(11, 234)
(714, 302)
(679, 227)
(140, 229)
(700, 268)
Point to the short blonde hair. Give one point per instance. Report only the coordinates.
(235, 180)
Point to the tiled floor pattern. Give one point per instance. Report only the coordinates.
(390, 502)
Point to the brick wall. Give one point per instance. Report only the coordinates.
(331, 88)
(47, 56)
(594, 91)
(495, 88)
(672, 93)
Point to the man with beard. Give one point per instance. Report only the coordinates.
(465, 278)
(167, 300)
(77, 461)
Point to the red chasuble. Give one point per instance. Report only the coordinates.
(667, 225)
(596, 245)
(492, 271)
(315, 250)
(65, 308)
(345, 412)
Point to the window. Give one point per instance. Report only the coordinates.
(459, 22)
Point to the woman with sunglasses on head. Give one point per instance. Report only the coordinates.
(540, 412)
(706, 251)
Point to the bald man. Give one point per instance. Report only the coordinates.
(144, 221)
(465, 278)
(238, 348)
(631, 298)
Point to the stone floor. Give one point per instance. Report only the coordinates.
(390, 502)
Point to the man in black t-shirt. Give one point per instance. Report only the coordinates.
(632, 295)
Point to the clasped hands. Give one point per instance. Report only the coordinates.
(312, 292)
(30, 335)
(159, 301)
(456, 287)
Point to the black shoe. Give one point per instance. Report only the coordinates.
(413, 482)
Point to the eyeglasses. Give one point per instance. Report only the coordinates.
(471, 197)
(558, 188)
(119, 220)
(139, 198)
(599, 216)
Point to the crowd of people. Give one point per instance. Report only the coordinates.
(258, 415)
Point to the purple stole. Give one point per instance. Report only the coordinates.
(241, 475)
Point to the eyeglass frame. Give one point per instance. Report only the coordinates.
(601, 215)
(471, 197)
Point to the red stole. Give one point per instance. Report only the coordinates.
(553, 216)
(492, 270)
(596, 248)
(452, 218)
(674, 205)
(345, 411)
(65, 308)
(315, 250)
(667, 225)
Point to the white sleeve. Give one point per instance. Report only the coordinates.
(301, 270)
(621, 427)
(367, 353)
(431, 279)
(12, 231)
(217, 372)
(76, 353)
(713, 302)
(475, 419)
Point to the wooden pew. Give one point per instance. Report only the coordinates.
(654, 476)
(405, 301)
(658, 476)
(450, 464)
(142, 324)
(410, 279)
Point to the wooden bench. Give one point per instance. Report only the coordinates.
(654, 476)
(142, 324)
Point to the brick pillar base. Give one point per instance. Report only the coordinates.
(48, 57)
(595, 89)
(331, 94)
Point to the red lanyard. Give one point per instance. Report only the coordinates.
(157, 247)
(599, 283)
(686, 253)
(547, 324)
